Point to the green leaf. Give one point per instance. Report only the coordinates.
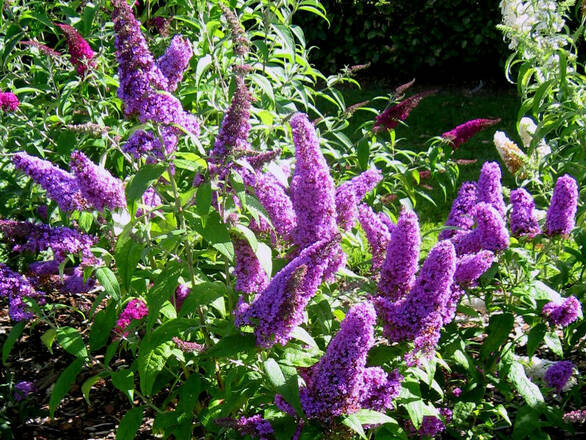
(101, 329)
(352, 422)
(526, 422)
(552, 340)
(274, 373)
(142, 180)
(128, 253)
(48, 338)
(412, 401)
(153, 351)
(109, 282)
(64, 382)
(265, 258)
(87, 386)
(124, 380)
(370, 417)
(203, 294)
(216, 233)
(13, 336)
(230, 346)
(535, 338)
(72, 342)
(203, 199)
(499, 327)
(301, 334)
(129, 424)
(526, 389)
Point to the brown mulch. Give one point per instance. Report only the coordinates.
(30, 360)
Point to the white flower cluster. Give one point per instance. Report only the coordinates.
(536, 20)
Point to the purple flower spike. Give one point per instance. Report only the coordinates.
(23, 389)
(431, 426)
(15, 287)
(80, 51)
(523, 219)
(279, 308)
(175, 60)
(471, 267)
(489, 187)
(398, 270)
(463, 132)
(390, 118)
(380, 388)
(461, 212)
(312, 188)
(73, 282)
(334, 386)
(145, 144)
(561, 215)
(558, 374)
(250, 275)
(233, 134)
(563, 313)
(254, 426)
(418, 316)
(490, 233)
(97, 185)
(273, 197)
(61, 186)
(350, 193)
(377, 234)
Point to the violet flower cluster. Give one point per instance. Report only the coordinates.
(490, 233)
(340, 383)
(136, 309)
(80, 51)
(350, 193)
(273, 197)
(464, 132)
(233, 134)
(377, 233)
(563, 312)
(143, 85)
(175, 61)
(60, 185)
(470, 267)
(402, 257)
(558, 375)
(418, 317)
(577, 416)
(150, 199)
(23, 389)
(489, 187)
(391, 116)
(255, 426)
(561, 215)
(460, 215)
(15, 288)
(250, 276)
(313, 192)
(96, 184)
(523, 218)
(9, 101)
(278, 309)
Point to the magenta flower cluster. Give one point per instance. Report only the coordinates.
(392, 115)
(377, 233)
(523, 218)
(175, 61)
(251, 278)
(464, 132)
(80, 51)
(9, 101)
(136, 309)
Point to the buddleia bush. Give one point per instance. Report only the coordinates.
(235, 255)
